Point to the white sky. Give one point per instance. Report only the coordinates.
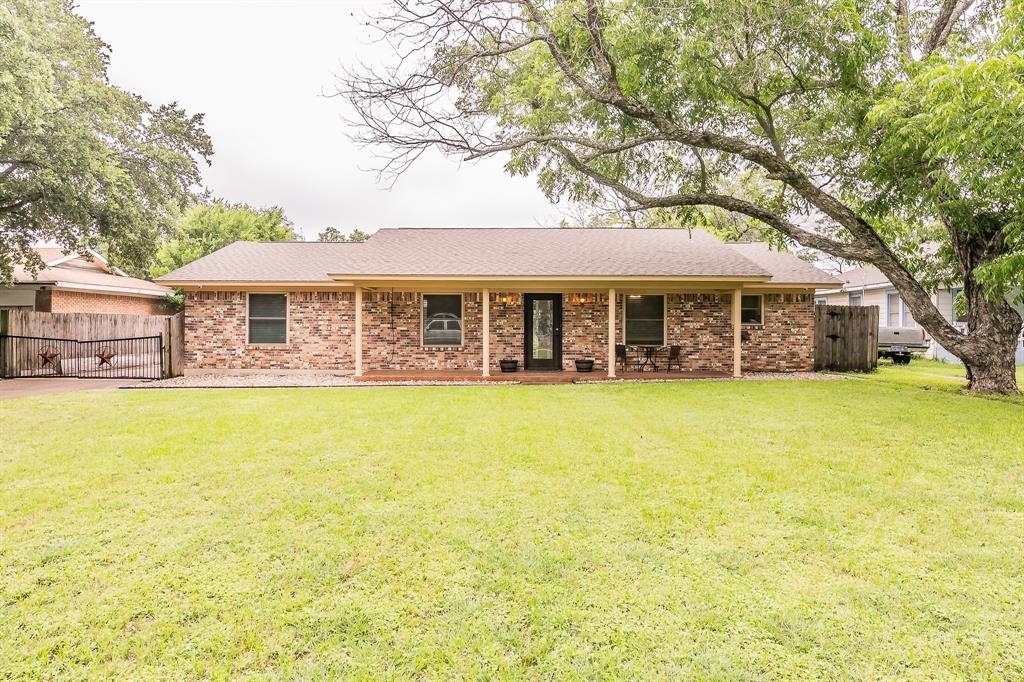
(258, 70)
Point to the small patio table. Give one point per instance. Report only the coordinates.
(650, 356)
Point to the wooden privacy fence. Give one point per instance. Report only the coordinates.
(845, 338)
(89, 327)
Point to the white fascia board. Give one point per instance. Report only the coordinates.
(100, 288)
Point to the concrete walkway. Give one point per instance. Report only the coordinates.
(22, 388)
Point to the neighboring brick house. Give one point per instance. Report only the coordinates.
(73, 283)
(421, 300)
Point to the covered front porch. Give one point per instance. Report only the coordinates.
(644, 329)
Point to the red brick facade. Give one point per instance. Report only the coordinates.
(785, 342)
(68, 301)
(391, 334)
(321, 327)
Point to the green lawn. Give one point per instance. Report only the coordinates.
(715, 530)
(927, 374)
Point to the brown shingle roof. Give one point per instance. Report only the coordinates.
(516, 252)
(267, 262)
(784, 266)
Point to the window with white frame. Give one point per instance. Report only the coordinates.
(645, 320)
(442, 319)
(821, 301)
(856, 299)
(752, 309)
(268, 318)
(908, 317)
(892, 309)
(956, 291)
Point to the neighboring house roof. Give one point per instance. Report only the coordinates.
(500, 252)
(73, 271)
(867, 277)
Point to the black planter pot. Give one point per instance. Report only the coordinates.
(508, 366)
(584, 365)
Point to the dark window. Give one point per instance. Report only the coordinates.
(268, 318)
(442, 320)
(645, 320)
(750, 310)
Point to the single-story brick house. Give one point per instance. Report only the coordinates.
(464, 299)
(81, 283)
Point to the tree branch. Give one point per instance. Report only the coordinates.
(903, 28)
(703, 198)
(949, 14)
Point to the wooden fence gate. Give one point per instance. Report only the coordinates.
(71, 344)
(845, 338)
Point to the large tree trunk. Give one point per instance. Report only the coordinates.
(997, 376)
(993, 325)
(995, 329)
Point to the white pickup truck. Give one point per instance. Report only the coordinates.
(900, 343)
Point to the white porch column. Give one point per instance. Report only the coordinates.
(611, 333)
(487, 332)
(737, 333)
(358, 346)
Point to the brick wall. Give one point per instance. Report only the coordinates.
(701, 324)
(585, 330)
(320, 325)
(66, 301)
(391, 334)
(785, 342)
(506, 331)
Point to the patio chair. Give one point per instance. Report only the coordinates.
(673, 357)
(620, 356)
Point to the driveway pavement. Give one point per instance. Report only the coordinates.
(21, 388)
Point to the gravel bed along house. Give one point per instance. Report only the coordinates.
(751, 376)
(327, 379)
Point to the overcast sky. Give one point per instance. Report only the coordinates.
(258, 71)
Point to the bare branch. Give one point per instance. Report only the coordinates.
(949, 14)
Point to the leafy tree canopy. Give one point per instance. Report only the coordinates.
(83, 163)
(871, 129)
(333, 234)
(206, 227)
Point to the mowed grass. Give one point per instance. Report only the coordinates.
(713, 530)
(928, 374)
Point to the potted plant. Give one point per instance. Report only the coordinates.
(584, 365)
(508, 365)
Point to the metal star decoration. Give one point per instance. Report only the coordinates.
(105, 357)
(48, 356)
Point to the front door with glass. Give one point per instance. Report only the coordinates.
(543, 335)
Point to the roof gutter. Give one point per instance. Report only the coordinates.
(221, 283)
(109, 289)
(553, 278)
(862, 288)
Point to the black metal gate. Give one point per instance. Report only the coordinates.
(140, 357)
